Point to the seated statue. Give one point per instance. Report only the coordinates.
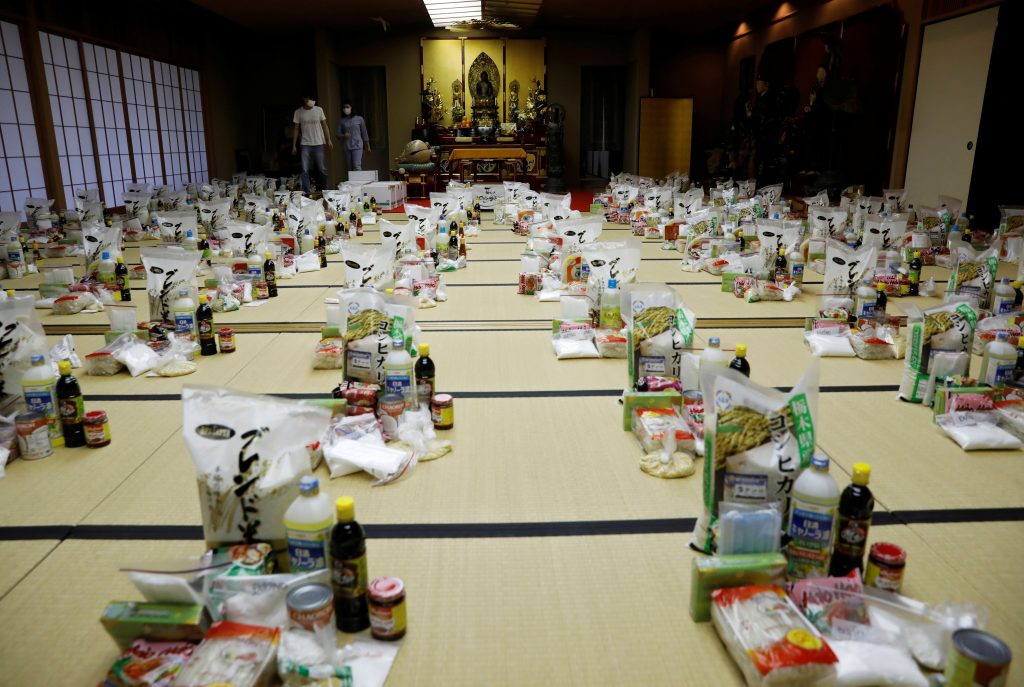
(484, 91)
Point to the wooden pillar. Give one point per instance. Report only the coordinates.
(31, 48)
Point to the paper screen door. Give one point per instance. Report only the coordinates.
(947, 110)
(666, 129)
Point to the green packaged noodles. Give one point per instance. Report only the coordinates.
(939, 342)
(658, 331)
(757, 441)
(974, 274)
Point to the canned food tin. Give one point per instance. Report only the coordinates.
(226, 335)
(885, 567)
(33, 435)
(386, 596)
(977, 659)
(392, 404)
(442, 411)
(311, 606)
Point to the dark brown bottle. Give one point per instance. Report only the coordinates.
(270, 276)
(348, 569)
(856, 505)
(72, 406)
(204, 328)
(121, 280)
(321, 249)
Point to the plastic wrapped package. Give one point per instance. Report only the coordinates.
(757, 441)
(329, 354)
(168, 270)
(769, 639)
(977, 431)
(250, 452)
(345, 456)
(828, 346)
(611, 343)
(75, 303)
(573, 339)
(658, 328)
(149, 664)
(846, 267)
(946, 330)
(232, 654)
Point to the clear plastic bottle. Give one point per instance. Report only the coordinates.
(1003, 298)
(713, 355)
(398, 373)
(796, 265)
(254, 265)
(190, 242)
(864, 300)
(39, 387)
(999, 361)
(184, 310)
(611, 309)
(107, 271)
(308, 522)
(812, 521)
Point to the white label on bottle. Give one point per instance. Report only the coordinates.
(307, 550)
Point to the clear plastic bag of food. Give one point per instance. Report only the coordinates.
(231, 653)
(977, 431)
(946, 330)
(329, 354)
(757, 441)
(769, 639)
(658, 330)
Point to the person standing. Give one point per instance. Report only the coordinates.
(352, 133)
(311, 122)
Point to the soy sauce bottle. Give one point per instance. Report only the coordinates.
(780, 266)
(72, 406)
(856, 504)
(740, 363)
(916, 263)
(348, 569)
(270, 275)
(204, 325)
(321, 249)
(121, 280)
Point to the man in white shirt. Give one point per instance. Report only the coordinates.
(311, 122)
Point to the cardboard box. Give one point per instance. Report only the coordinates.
(362, 176)
(127, 621)
(390, 195)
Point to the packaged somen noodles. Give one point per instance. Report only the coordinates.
(757, 441)
(250, 452)
(770, 640)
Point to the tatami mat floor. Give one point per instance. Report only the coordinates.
(538, 446)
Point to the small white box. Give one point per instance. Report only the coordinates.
(390, 195)
(363, 177)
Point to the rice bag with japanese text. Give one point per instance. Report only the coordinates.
(757, 441)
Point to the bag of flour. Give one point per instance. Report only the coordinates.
(250, 452)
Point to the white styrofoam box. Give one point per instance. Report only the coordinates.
(354, 190)
(363, 177)
(390, 195)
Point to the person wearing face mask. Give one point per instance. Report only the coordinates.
(353, 136)
(311, 122)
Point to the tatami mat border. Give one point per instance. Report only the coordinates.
(490, 530)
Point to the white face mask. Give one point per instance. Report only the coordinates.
(347, 110)
(310, 103)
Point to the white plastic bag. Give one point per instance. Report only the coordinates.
(977, 431)
(250, 452)
(826, 346)
(345, 456)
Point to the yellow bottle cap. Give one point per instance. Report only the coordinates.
(917, 253)
(346, 507)
(424, 349)
(741, 350)
(65, 367)
(1017, 284)
(880, 286)
(267, 255)
(202, 299)
(861, 473)
(120, 259)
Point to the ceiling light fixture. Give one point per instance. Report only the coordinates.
(445, 12)
(785, 10)
(742, 30)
